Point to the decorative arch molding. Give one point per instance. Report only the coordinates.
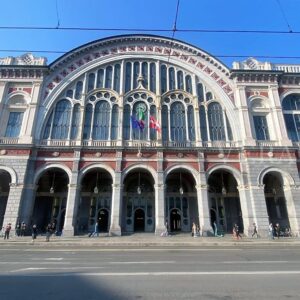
(12, 173)
(138, 45)
(234, 172)
(47, 167)
(148, 168)
(283, 93)
(288, 180)
(22, 94)
(191, 170)
(91, 167)
(102, 90)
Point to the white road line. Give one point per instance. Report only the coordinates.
(217, 273)
(261, 262)
(141, 262)
(54, 258)
(67, 268)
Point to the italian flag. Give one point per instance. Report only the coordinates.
(141, 119)
(154, 124)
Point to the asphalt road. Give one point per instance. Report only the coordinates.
(68, 272)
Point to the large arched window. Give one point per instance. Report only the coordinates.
(114, 122)
(78, 90)
(108, 77)
(126, 122)
(61, 120)
(75, 122)
(165, 123)
(291, 112)
(145, 74)
(91, 82)
(171, 78)
(117, 75)
(152, 77)
(260, 115)
(101, 121)
(100, 78)
(216, 122)
(163, 79)
(177, 122)
(87, 121)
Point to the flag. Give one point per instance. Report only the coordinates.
(141, 118)
(154, 124)
(137, 124)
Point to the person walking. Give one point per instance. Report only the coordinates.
(277, 230)
(271, 231)
(96, 231)
(254, 230)
(194, 230)
(18, 229)
(34, 232)
(7, 231)
(23, 229)
(215, 229)
(48, 232)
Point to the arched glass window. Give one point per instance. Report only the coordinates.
(87, 121)
(209, 96)
(178, 127)
(291, 112)
(261, 127)
(114, 122)
(163, 79)
(216, 123)
(108, 77)
(101, 121)
(180, 85)
(152, 77)
(69, 93)
(100, 78)
(48, 127)
(153, 131)
(141, 107)
(128, 77)
(191, 123)
(165, 123)
(145, 74)
(136, 73)
(14, 124)
(203, 126)
(126, 122)
(171, 79)
(61, 120)
(75, 122)
(188, 84)
(91, 82)
(78, 90)
(117, 78)
(200, 92)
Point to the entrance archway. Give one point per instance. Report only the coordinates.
(138, 202)
(103, 220)
(139, 220)
(224, 202)
(51, 200)
(95, 201)
(181, 201)
(275, 199)
(175, 220)
(5, 181)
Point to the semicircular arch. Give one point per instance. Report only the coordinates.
(12, 173)
(233, 171)
(47, 167)
(286, 177)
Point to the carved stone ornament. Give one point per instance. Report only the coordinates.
(98, 154)
(180, 155)
(221, 155)
(139, 154)
(270, 154)
(3, 152)
(55, 154)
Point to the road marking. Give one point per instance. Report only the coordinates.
(54, 258)
(260, 262)
(217, 273)
(142, 262)
(67, 268)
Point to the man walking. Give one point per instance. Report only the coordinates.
(96, 231)
(254, 230)
(7, 231)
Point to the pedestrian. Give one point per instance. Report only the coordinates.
(7, 231)
(271, 231)
(254, 230)
(96, 231)
(18, 229)
(215, 228)
(277, 230)
(236, 232)
(194, 230)
(34, 232)
(23, 229)
(48, 232)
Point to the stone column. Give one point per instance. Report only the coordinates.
(204, 216)
(293, 208)
(13, 204)
(115, 219)
(260, 213)
(160, 204)
(28, 201)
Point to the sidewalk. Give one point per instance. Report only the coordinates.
(144, 240)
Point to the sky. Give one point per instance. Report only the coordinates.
(155, 14)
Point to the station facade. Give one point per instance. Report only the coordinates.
(225, 148)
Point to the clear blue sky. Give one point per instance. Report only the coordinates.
(158, 14)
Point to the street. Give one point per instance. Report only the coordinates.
(78, 272)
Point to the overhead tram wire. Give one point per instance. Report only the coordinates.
(161, 54)
(154, 30)
(174, 29)
(284, 16)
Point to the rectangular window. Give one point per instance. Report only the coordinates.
(14, 124)
(261, 128)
